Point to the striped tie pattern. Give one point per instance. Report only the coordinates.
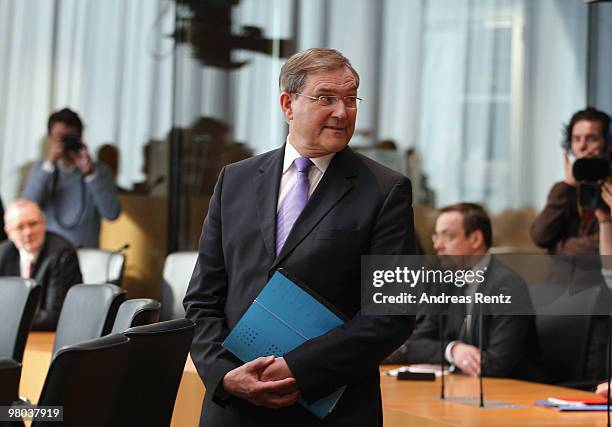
(294, 202)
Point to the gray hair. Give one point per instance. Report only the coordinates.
(18, 204)
(294, 72)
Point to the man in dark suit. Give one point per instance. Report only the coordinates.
(46, 257)
(312, 207)
(463, 232)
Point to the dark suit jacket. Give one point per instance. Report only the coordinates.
(56, 270)
(359, 207)
(510, 341)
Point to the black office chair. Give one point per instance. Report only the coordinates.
(88, 312)
(86, 379)
(19, 299)
(10, 373)
(564, 339)
(136, 312)
(156, 362)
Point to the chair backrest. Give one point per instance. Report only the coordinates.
(86, 379)
(136, 312)
(178, 268)
(564, 339)
(100, 266)
(156, 362)
(10, 374)
(88, 312)
(19, 299)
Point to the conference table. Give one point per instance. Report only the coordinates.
(405, 403)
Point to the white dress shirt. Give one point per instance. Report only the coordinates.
(26, 262)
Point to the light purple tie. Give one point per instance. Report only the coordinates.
(293, 204)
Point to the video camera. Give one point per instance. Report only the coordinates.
(72, 142)
(590, 172)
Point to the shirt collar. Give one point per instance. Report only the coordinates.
(322, 163)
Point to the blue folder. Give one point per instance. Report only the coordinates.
(283, 316)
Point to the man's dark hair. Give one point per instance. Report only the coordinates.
(67, 117)
(474, 218)
(589, 114)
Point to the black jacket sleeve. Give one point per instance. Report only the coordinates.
(61, 271)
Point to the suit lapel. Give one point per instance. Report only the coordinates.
(38, 269)
(266, 194)
(334, 185)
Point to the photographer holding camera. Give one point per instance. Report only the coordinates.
(564, 227)
(73, 191)
(568, 225)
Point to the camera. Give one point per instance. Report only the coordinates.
(590, 172)
(72, 142)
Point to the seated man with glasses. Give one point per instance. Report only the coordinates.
(33, 252)
(463, 232)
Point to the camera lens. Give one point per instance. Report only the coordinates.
(72, 142)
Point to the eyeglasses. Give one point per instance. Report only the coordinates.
(444, 238)
(22, 226)
(331, 100)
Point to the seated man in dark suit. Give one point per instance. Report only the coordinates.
(465, 229)
(33, 252)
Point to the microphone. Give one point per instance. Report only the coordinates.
(480, 328)
(159, 180)
(122, 248)
(441, 337)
